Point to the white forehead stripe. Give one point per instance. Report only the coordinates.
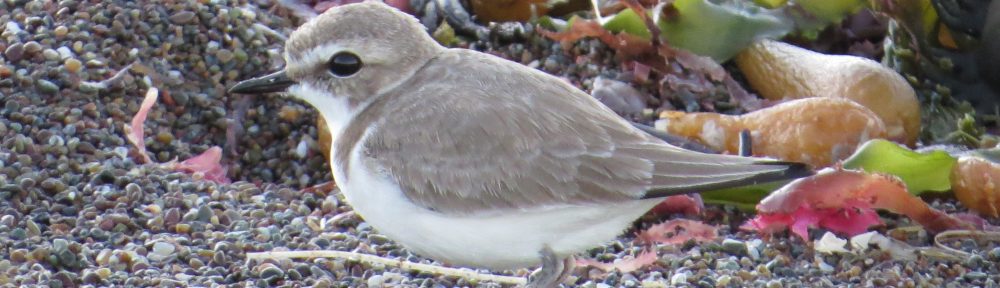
(318, 54)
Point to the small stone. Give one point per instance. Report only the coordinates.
(994, 254)
(204, 214)
(50, 55)
(733, 246)
(551, 65)
(975, 275)
(65, 52)
(826, 268)
(104, 272)
(224, 55)
(182, 17)
(161, 251)
(33, 229)
(60, 245)
(72, 65)
(172, 216)
(65, 278)
(91, 277)
(47, 87)
(975, 261)
(140, 265)
(103, 257)
(182, 228)
(164, 137)
(723, 281)
(196, 263)
(19, 256)
(754, 248)
(60, 31)
(376, 281)
(272, 272)
(378, 239)
(8, 221)
(727, 264)
(14, 52)
(775, 265)
(679, 279)
(323, 283)
(32, 47)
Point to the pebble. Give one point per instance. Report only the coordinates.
(975, 275)
(182, 17)
(60, 31)
(182, 228)
(735, 247)
(14, 52)
(7, 221)
(723, 281)
(680, 278)
(72, 65)
(47, 87)
(65, 52)
(33, 229)
(32, 47)
(91, 277)
(161, 251)
(19, 256)
(224, 55)
(994, 254)
(50, 55)
(272, 272)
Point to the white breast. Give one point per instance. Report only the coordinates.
(495, 241)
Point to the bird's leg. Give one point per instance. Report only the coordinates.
(554, 269)
(746, 143)
(569, 263)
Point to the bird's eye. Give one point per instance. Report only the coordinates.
(344, 64)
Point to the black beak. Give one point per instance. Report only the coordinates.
(274, 82)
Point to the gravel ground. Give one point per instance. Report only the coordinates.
(76, 209)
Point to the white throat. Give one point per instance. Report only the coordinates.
(336, 110)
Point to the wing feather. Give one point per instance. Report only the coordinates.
(524, 140)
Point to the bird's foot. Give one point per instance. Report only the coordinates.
(554, 270)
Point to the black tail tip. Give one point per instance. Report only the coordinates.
(793, 170)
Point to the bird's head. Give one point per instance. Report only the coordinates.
(355, 51)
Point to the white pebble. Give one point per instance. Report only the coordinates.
(753, 248)
(376, 281)
(302, 150)
(679, 279)
(13, 27)
(121, 152)
(65, 53)
(161, 250)
(248, 13)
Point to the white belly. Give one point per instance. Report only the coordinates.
(495, 241)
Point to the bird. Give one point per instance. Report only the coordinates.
(477, 161)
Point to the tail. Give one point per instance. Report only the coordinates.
(789, 171)
(689, 167)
